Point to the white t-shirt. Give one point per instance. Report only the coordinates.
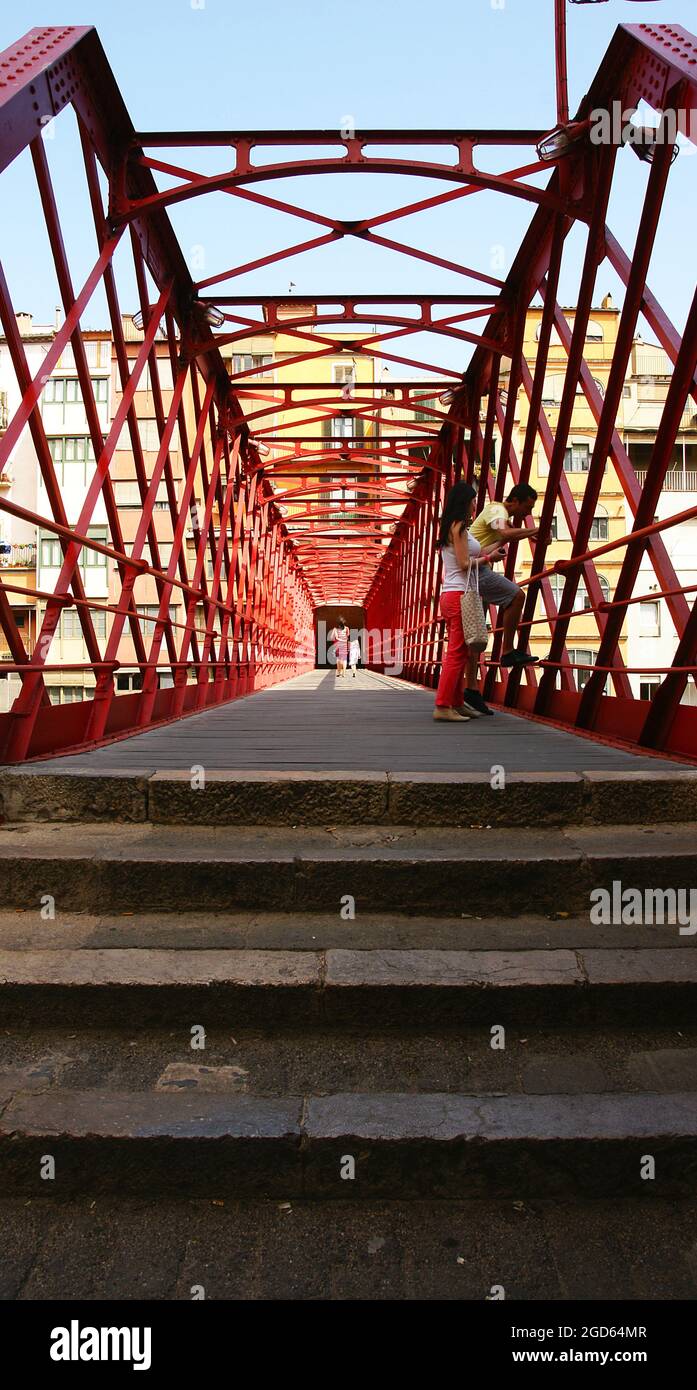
(455, 578)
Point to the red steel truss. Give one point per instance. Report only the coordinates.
(269, 541)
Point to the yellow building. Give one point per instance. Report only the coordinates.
(610, 518)
(290, 426)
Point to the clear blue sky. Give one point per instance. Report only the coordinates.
(310, 63)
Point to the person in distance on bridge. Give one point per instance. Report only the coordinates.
(339, 635)
(458, 549)
(497, 524)
(354, 654)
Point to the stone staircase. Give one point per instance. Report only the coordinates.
(396, 996)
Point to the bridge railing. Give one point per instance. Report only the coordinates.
(505, 391)
(163, 579)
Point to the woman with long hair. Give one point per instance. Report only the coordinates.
(458, 550)
(339, 635)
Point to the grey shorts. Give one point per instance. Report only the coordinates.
(495, 588)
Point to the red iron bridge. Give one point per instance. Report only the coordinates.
(262, 556)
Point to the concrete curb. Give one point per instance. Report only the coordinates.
(349, 798)
(367, 989)
(406, 1145)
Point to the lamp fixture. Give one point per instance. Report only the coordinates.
(212, 314)
(561, 140)
(644, 141)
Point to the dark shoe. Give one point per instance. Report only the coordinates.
(467, 709)
(477, 702)
(518, 658)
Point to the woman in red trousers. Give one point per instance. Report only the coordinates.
(457, 549)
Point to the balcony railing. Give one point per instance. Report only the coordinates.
(676, 479)
(18, 557)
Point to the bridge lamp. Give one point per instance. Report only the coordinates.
(644, 141)
(213, 315)
(561, 140)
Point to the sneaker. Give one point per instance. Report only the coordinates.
(476, 701)
(518, 658)
(468, 708)
(449, 716)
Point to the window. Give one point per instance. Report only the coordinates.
(250, 361)
(127, 495)
(51, 555)
(94, 559)
(599, 528)
(66, 694)
(342, 426)
(3, 410)
(581, 599)
(344, 373)
(626, 392)
(98, 353)
(150, 436)
(650, 618)
(648, 687)
(71, 629)
(425, 414)
(129, 681)
(554, 529)
(577, 458)
(341, 501)
(582, 658)
(200, 621)
(75, 451)
(66, 390)
(594, 332)
(54, 390)
(148, 613)
(552, 389)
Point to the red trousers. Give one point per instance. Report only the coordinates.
(452, 684)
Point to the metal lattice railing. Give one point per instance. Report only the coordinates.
(260, 494)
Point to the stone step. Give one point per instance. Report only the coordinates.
(362, 988)
(126, 1248)
(119, 868)
(384, 1145)
(187, 797)
(273, 1062)
(26, 929)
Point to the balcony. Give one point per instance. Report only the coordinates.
(18, 557)
(676, 479)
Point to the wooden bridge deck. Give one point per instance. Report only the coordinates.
(367, 723)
